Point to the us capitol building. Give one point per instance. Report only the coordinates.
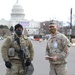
(18, 16)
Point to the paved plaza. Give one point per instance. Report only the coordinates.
(41, 65)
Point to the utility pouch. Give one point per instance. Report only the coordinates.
(26, 51)
(11, 52)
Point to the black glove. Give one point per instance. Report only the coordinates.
(8, 64)
(28, 62)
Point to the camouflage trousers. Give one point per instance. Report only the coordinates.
(58, 69)
(17, 69)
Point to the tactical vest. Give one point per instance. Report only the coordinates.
(14, 47)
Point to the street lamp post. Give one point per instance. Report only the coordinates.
(44, 30)
(71, 25)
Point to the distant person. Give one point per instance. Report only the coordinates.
(57, 50)
(17, 52)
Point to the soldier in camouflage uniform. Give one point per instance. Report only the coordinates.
(10, 53)
(57, 50)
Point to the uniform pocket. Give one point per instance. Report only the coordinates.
(13, 70)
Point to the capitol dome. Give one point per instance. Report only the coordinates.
(17, 11)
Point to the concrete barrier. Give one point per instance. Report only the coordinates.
(73, 40)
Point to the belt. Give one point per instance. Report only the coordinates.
(16, 61)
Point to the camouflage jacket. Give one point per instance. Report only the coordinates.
(9, 42)
(58, 45)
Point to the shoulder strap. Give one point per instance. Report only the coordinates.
(17, 40)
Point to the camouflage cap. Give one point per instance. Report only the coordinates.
(53, 23)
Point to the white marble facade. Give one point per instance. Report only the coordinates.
(18, 16)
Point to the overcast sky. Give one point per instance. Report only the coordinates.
(39, 10)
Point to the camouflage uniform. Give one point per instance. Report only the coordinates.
(58, 45)
(17, 68)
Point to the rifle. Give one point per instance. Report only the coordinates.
(22, 56)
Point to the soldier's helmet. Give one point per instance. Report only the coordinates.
(18, 25)
(53, 23)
